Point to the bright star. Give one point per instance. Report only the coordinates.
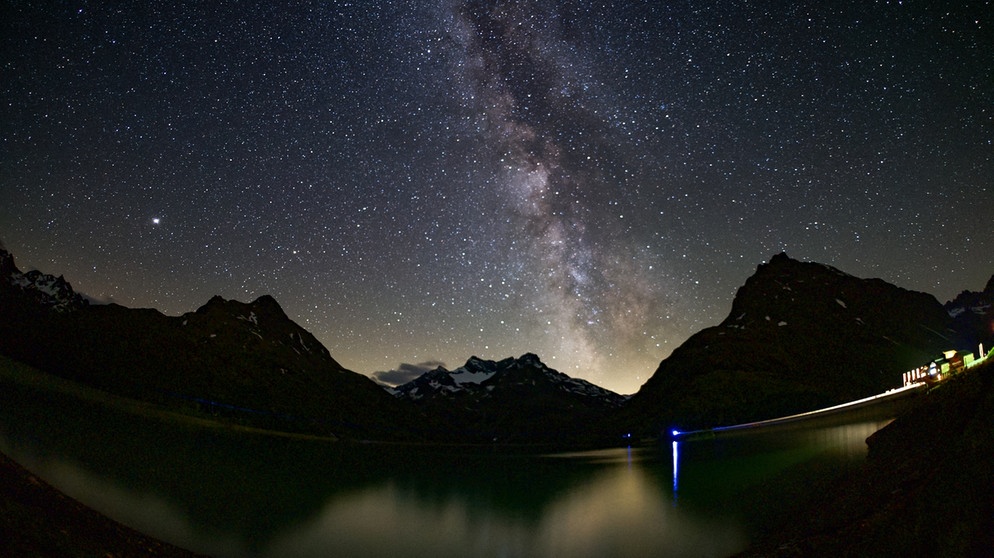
(155, 220)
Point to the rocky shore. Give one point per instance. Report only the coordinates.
(926, 488)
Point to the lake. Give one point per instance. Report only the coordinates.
(234, 494)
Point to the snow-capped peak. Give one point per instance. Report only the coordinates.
(48, 290)
(483, 377)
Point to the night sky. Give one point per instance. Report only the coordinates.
(419, 182)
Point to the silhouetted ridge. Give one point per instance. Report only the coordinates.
(7, 267)
(243, 362)
(800, 336)
(35, 287)
(514, 400)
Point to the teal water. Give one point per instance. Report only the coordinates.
(232, 494)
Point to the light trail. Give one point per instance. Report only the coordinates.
(810, 414)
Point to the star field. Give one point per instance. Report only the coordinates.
(421, 182)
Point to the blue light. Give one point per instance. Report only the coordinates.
(676, 433)
(676, 467)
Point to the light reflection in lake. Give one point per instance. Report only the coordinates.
(624, 512)
(618, 513)
(747, 456)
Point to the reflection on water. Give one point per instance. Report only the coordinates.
(617, 513)
(762, 453)
(624, 513)
(239, 495)
(617, 510)
(676, 466)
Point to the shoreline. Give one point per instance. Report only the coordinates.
(39, 520)
(27, 376)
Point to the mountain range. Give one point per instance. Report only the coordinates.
(242, 362)
(515, 400)
(800, 335)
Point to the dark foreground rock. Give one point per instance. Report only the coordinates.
(38, 520)
(926, 488)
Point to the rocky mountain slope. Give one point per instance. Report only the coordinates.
(514, 400)
(244, 362)
(800, 336)
(480, 378)
(973, 317)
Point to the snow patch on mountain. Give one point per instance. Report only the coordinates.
(475, 371)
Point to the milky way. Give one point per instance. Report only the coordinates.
(540, 123)
(417, 183)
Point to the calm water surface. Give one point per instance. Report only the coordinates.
(238, 495)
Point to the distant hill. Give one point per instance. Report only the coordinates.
(800, 336)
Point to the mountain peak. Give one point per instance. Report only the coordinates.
(781, 258)
(45, 289)
(268, 301)
(7, 266)
(531, 359)
(265, 304)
